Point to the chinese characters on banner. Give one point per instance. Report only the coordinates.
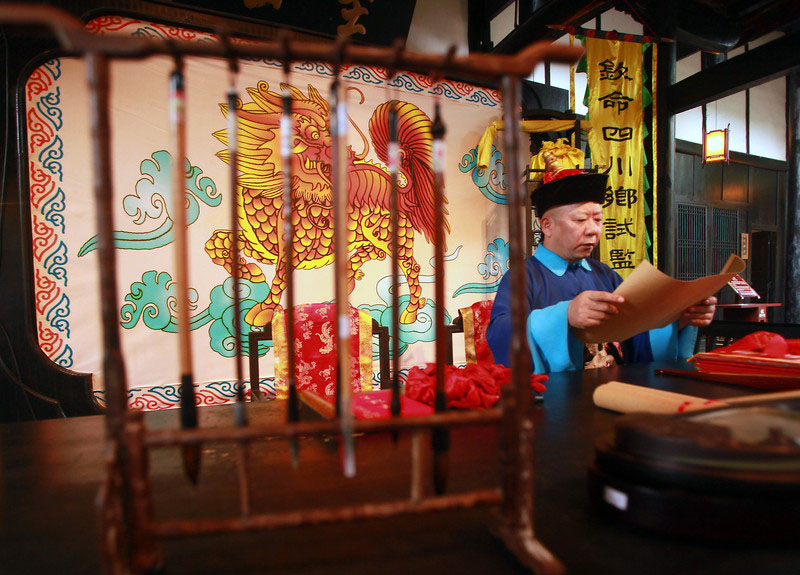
(615, 109)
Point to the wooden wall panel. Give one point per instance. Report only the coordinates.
(763, 197)
(707, 182)
(734, 183)
(684, 177)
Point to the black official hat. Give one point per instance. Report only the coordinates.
(564, 186)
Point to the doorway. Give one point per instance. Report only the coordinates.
(763, 246)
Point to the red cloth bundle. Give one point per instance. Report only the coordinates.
(760, 353)
(474, 386)
(765, 343)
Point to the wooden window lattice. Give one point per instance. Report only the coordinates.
(725, 241)
(692, 242)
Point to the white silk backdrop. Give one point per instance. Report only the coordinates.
(61, 169)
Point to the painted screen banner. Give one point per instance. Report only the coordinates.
(60, 175)
(615, 102)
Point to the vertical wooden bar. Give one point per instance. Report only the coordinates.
(236, 272)
(509, 436)
(287, 135)
(441, 435)
(666, 211)
(177, 113)
(111, 516)
(240, 415)
(147, 556)
(252, 356)
(393, 156)
(178, 147)
(340, 192)
(792, 289)
(113, 363)
(520, 354)
(116, 510)
(518, 429)
(417, 465)
(243, 476)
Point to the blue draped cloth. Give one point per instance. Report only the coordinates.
(552, 284)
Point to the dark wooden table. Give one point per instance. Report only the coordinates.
(50, 472)
(755, 311)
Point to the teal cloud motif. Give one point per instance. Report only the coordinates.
(153, 201)
(153, 302)
(222, 331)
(153, 195)
(496, 260)
(491, 181)
(421, 330)
(494, 265)
(424, 328)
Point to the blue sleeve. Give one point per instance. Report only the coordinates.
(498, 332)
(668, 343)
(548, 331)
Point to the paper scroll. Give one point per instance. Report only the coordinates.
(653, 300)
(627, 398)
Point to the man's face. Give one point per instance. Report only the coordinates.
(573, 230)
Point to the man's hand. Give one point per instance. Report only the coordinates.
(591, 308)
(699, 314)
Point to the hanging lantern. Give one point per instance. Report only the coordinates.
(715, 146)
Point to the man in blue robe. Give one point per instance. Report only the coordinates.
(569, 290)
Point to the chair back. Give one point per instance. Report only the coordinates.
(315, 350)
(472, 321)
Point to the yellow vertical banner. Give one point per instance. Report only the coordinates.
(616, 140)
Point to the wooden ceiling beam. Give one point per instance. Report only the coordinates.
(767, 17)
(750, 69)
(535, 27)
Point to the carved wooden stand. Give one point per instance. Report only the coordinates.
(130, 534)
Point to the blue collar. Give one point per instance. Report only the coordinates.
(555, 263)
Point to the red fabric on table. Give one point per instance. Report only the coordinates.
(759, 353)
(474, 386)
(368, 405)
(376, 405)
(764, 342)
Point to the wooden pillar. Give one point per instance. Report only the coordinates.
(792, 303)
(665, 156)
